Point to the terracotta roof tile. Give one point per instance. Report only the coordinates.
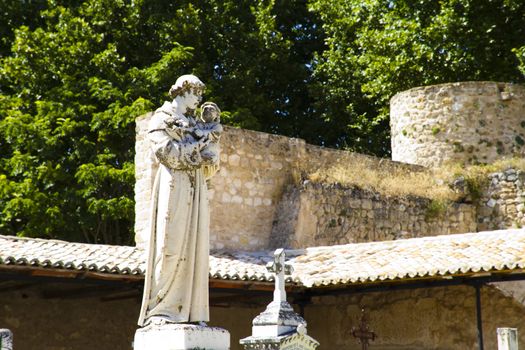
(433, 257)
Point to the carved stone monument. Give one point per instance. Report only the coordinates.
(279, 327)
(175, 301)
(6, 339)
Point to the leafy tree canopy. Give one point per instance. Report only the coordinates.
(78, 73)
(74, 75)
(377, 48)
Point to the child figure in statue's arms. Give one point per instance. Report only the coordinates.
(206, 130)
(209, 124)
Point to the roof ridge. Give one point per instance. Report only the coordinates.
(59, 241)
(409, 240)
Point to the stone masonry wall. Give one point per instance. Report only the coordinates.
(468, 122)
(260, 198)
(317, 214)
(422, 319)
(502, 203)
(256, 168)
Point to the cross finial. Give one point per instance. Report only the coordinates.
(280, 269)
(363, 332)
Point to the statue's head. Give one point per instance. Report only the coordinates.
(186, 84)
(187, 92)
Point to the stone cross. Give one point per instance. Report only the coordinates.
(6, 339)
(280, 269)
(363, 333)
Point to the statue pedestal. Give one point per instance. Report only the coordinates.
(181, 337)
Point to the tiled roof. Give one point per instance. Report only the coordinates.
(124, 260)
(438, 256)
(429, 257)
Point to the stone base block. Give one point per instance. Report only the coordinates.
(181, 337)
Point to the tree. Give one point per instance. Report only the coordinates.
(78, 74)
(74, 75)
(258, 54)
(68, 103)
(377, 48)
(15, 14)
(520, 54)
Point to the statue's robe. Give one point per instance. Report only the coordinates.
(176, 282)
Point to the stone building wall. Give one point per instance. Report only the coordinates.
(317, 214)
(467, 122)
(422, 319)
(144, 176)
(86, 323)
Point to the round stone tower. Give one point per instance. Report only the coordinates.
(469, 122)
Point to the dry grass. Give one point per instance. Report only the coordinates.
(403, 181)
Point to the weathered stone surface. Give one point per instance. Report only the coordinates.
(507, 338)
(502, 204)
(317, 214)
(245, 194)
(421, 313)
(279, 318)
(279, 327)
(466, 122)
(186, 150)
(181, 337)
(294, 341)
(6, 339)
(414, 320)
(259, 200)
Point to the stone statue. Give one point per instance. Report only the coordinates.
(186, 147)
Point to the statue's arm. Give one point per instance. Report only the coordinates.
(173, 154)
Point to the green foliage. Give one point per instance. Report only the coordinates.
(74, 75)
(436, 209)
(475, 185)
(377, 48)
(69, 98)
(14, 14)
(520, 54)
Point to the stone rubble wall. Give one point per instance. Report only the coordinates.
(467, 122)
(254, 168)
(317, 214)
(260, 198)
(246, 193)
(502, 203)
